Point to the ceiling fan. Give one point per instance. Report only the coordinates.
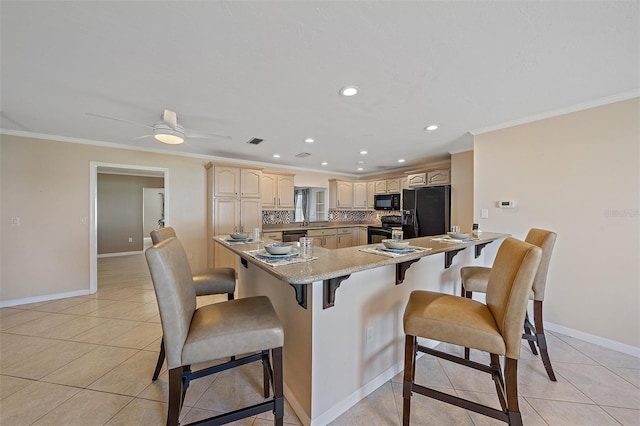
(167, 130)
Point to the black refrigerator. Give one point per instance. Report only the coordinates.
(426, 211)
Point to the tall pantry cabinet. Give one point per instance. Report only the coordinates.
(233, 204)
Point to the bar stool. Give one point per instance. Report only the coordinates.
(209, 282)
(213, 332)
(493, 327)
(475, 279)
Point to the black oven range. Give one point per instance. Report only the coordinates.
(376, 234)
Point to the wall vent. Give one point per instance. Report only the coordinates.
(303, 154)
(255, 141)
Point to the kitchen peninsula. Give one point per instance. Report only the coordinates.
(342, 314)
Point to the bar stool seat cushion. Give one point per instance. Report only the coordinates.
(215, 281)
(234, 327)
(454, 320)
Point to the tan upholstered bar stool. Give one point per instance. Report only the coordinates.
(213, 332)
(494, 327)
(476, 278)
(211, 281)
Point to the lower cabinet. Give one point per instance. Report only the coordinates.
(345, 237)
(274, 236)
(326, 238)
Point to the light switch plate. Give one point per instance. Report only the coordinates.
(484, 213)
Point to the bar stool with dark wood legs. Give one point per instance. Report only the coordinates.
(476, 278)
(213, 332)
(494, 327)
(207, 283)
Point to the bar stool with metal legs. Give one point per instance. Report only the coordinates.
(213, 332)
(476, 278)
(207, 283)
(494, 327)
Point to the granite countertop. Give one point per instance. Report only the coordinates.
(333, 263)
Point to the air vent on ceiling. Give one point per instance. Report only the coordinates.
(255, 141)
(303, 154)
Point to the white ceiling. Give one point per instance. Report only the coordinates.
(273, 70)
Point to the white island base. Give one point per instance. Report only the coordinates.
(335, 357)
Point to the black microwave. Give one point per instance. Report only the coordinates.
(386, 202)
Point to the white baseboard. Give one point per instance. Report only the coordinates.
(596, 340)
(122, 253)
(45, 298)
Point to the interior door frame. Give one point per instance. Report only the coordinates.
(125, 169)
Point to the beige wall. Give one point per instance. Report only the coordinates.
(46, 184)
(462, 190)
(577, 175)
(120, 211)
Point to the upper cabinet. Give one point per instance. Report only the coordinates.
(388, 186)
(230, 181)
(360, 195)
(433, 177)
(340, 194)
(371, 192)
(277, 191)
(439, 177)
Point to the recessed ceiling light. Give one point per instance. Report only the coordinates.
(309, 140)
(276, 155)
(349, 91)
(431, 127)
(401, 160)
(360, 169)
(324, 163)
(363, 153)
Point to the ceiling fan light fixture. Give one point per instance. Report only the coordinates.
(349, 91)
(166, 134)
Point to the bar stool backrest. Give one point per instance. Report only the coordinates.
(545, 240)
(162, 234)
(509, 287)
(173, 284)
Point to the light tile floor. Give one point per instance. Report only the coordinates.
(89, 360)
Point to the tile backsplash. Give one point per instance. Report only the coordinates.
(280, 217)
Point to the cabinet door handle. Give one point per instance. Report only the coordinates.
(278, 201)
(274, 201)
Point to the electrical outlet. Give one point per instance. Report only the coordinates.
(130, 239)
(83, 220)
(190, 256)
(15, 221)
(484, 213)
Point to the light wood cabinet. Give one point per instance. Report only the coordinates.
(326, 238)
(229, 181)
(233, 204)
(277, 191)
(359, 195)
(340, 194)
(345, 237)
(438, 177)
(274, 236)
(417, 180)
(364, 236)
(371, 192)
(388, 186)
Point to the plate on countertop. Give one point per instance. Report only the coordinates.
(399, 251)
(266, 255)
(239, 240)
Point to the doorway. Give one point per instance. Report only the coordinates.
(121, 169)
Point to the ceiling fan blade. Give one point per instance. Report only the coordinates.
(200, 135)
(142, 137)
(170, 118)
(118, 119)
